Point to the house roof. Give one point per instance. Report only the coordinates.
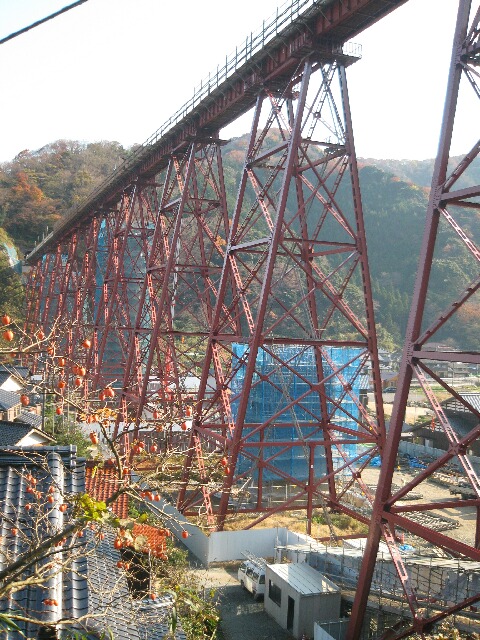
(473, 398)
(155, 536)
(364, 381)
(28, 417)
(303, 578)
(12, 433)
(17, 371)
(102, 482)
(8, 399)
(49, 466)
(4, 376)
(126, 618)
(93, 590)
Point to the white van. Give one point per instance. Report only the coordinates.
(251, 576)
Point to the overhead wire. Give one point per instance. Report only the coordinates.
(39, 22)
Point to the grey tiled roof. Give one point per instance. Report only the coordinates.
(8, 399)
(49, 465)
(93, 590)
(4, 376)
(27, 417)
(364, 381)
(11, 433)
(124, 617)
(18, 372)
(472, 397)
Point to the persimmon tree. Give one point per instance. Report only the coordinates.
(49, 534)
(144, 473)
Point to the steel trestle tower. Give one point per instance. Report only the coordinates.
(294, 297)
(449, 219)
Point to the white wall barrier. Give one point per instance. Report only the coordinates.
(225, 546)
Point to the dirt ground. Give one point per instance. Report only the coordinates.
(433, 492)
(412, 414)
(429, 491)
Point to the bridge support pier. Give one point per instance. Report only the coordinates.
(289, 338)
(420, 359)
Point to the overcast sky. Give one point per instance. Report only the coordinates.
(117, 69)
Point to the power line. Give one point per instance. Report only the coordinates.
(35, 24)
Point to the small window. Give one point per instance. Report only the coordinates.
(262, 579)
(249, 572)
(274, 593)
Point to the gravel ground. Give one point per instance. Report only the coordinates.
(433, 492)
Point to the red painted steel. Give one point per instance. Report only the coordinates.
(448, 211)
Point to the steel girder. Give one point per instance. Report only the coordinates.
(450, 219)
(294, 288)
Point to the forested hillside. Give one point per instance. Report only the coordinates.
(420, 172)
(37, 188)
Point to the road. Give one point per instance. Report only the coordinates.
(242, 617)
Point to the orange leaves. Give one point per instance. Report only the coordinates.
(25, 191)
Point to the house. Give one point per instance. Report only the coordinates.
(297, 596)
(9, 382)
(14, 377)
(32, 418)
(89, 589)
(10, 405)
(17, 434)
(364, 384)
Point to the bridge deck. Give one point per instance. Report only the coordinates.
(266, 57)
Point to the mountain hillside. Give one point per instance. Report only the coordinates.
(37, 187)
(420, 172)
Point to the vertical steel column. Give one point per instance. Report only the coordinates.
(143, 313)
(110, 318)
(418, 359)
(276, 229)
(53, 272)
(83, 312)
(34, 288)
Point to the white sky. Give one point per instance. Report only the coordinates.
(117, 69)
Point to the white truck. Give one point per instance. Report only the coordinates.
(251, 575)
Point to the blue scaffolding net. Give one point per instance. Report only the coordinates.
(282, 396)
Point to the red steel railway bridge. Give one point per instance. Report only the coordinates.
(243, 332)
